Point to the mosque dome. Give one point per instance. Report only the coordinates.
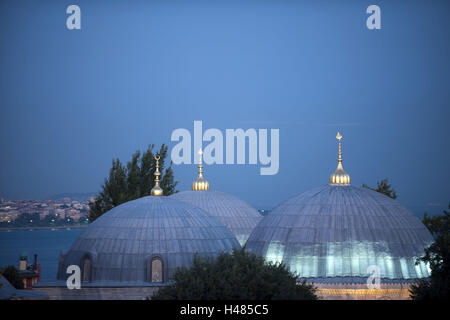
(339, 230)
(145, 240)
(233, 212)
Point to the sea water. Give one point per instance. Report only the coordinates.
(46, 243)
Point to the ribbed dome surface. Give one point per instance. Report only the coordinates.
(340, 230)
(235, 213)
(122, 241)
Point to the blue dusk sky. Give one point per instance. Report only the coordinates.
(72, 100)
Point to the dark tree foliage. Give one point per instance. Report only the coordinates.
(438, 256)
(133, 181)
(239, 275)
(383, 187)
(12, 275)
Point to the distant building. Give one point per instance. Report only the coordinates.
(29, 274)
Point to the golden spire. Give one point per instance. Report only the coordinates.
(200, 184)
(340, 176)
(157, 191)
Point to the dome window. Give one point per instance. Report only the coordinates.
(86, 265)
(156, 270)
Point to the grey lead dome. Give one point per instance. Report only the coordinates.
(121, 245)
(233, 212)
(339, 231)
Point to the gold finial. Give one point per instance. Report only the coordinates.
(339, 137)
(339, 176)
(157, 191)
(200, 184)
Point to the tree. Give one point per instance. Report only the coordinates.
(133, 181)
(12, 275)
(239, 275)
(383, 187)
(437, 255)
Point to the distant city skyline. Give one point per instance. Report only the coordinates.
(72, 100)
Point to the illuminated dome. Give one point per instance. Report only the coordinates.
(233, 212)
(145, 240)
(338, 230)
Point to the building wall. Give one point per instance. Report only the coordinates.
(328, 291)
(325, 291)
(106, 293)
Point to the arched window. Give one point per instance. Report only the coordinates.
(157, 270)
(86, 269)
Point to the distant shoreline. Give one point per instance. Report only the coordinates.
(43, 228)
